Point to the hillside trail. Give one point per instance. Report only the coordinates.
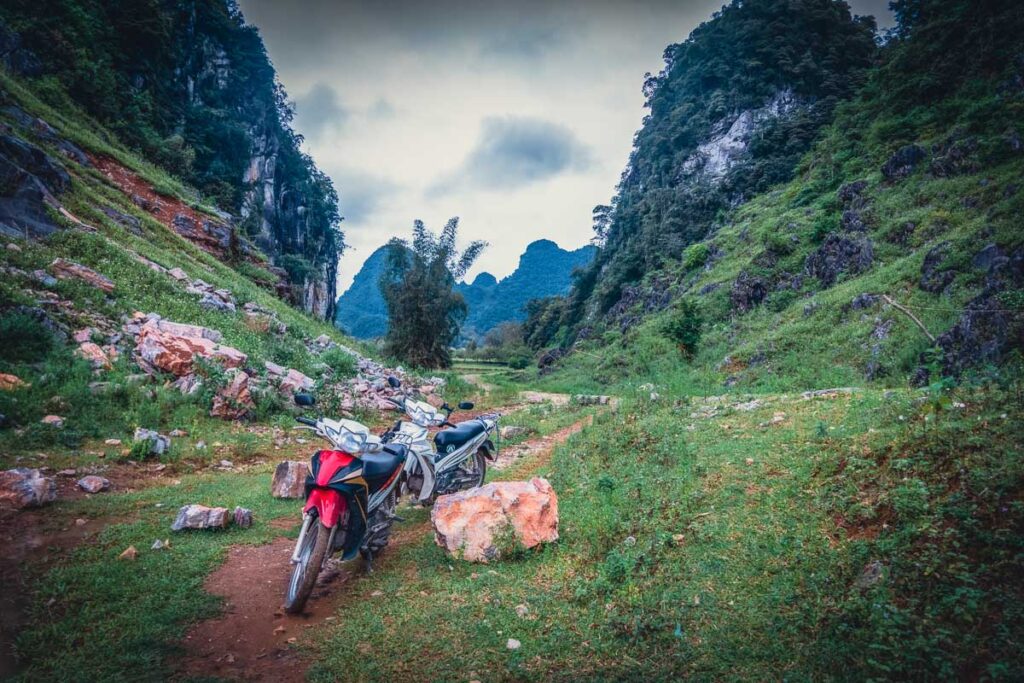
(253, 639)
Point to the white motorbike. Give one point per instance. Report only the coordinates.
(454, 460)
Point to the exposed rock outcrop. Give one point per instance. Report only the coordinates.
(172, 347)
(29, 181)
(837, 255)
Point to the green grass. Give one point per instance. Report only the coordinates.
(99, 618)
(679, 558)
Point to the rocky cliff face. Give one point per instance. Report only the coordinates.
(191, 86)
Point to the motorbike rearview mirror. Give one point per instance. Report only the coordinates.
(394, 382)
(304, 400)
(466, 405)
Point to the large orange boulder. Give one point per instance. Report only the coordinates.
(172, 347)
(472, 524)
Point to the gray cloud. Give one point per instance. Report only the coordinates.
(319, 110)
(530, 43)
(360, 194)
(514, 151)
(381, 109)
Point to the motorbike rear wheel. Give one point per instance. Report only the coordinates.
(311, 558)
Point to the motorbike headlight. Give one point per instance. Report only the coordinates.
(349, 441)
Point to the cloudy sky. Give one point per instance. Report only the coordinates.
(517, 117)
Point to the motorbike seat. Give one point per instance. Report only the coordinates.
(458, 435)
(380, 466)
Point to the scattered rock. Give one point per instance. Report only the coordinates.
(129, 553)
(161, 545)
(94, 354)
(53, 420)
(242, 517)
(112, 442)
(172, 347)
(592, 400)
(201, 517)
(522, 611)
(289, 480)
(66, 270)
(934, 278)
(294, 381)
(511, 431)
(469, 523)
(93, 484)
(11, 382)
(25, 487)
(839, 254)
(234, 401)
(158, 443)
(828, 393)
(747, 292)
(513, 644)
(903, 161)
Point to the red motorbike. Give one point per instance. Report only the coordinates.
(351, 495)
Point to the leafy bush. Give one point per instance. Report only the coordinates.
(696, 255)
(23, 338)
(684, 327)
(342, 363)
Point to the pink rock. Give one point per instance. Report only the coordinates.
(289, 480)
(172, 347)
(201, 517)
(94, 354)
(83, 335)
(467, 524)
(178, 274)
(69, 269)
(93, 484)
(234, 401)
(53, 421)
(25, 487)
(294, 381)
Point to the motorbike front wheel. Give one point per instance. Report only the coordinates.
(311, 558)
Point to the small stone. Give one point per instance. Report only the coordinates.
(200, 517)
(279, 630)
(630, 541)
(112, 442)
(53, 420)
(678, 538)
(242, 517)
(513, 644)
(158, 443)
(522, 610)
(161, 545)
(10, 382)
(226, 464)
(174, 433)
(93, 484)
(376, 594)
(81, 522)
(750, 461)
(11, 246)
(289, 480)
(130, 553)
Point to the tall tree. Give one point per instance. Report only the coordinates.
(424, 311)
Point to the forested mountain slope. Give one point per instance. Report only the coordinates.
(188, 85)
(912, 192)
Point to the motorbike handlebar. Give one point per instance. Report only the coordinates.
(306, 421)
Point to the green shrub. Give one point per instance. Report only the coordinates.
(684, 327)
(342, 363)
(696, 255)
(23, 338)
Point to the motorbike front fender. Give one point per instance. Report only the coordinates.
(329, 504)
(426, 466)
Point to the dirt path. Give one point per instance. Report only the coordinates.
(252, 640)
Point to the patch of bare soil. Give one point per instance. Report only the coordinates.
(252, 640)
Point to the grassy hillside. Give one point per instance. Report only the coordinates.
(790, 286)
(37, 317)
